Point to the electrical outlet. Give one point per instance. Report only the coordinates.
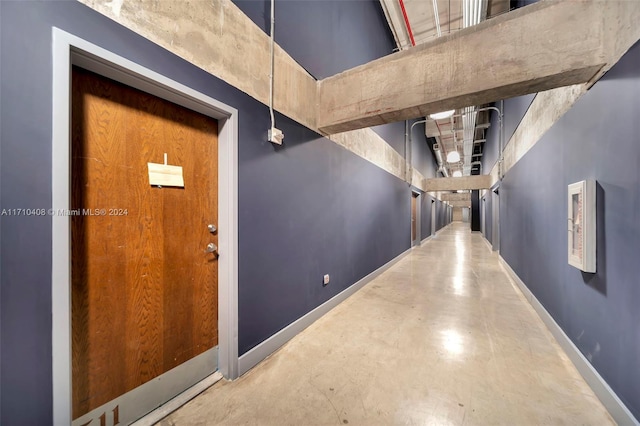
(275, 136)
(325, 280)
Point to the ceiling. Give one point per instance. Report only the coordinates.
(414, 22)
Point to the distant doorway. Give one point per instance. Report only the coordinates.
(415, 219)
(496, 219)
(483, 215)
(433, 218)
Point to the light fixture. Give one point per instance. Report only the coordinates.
(442, 115)
(457, 173)
(453, 157)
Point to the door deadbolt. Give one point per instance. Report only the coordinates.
(212, 228)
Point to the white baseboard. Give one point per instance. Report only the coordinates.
(487, 243)
(273, 343)
(426, 239)
(603, 391)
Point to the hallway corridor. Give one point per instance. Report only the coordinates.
(441, 338)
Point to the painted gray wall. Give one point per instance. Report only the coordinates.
(442, 215)
(327, 37)
(491, 147)
(514, 110)
(305, 209)
(421, 157)
(392, 133)
(596, 139)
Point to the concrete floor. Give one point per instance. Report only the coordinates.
(441, 338)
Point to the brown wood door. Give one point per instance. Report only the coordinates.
(144, 289)
(414, 216)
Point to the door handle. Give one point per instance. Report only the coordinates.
(211, 248)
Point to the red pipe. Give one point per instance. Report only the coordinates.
(406, 22)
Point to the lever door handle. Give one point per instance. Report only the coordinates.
(211, 248)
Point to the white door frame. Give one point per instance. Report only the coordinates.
(434, 221)
(483, 214)
(415, 193)
(495, 227)
(70, 50)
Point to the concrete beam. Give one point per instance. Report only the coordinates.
(538, 47)
(454, 196)
(217, 37)
(460, 203)
(455, 183)
(548, 107)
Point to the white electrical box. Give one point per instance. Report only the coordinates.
(582, 225)
(275, 136)
(325, 280)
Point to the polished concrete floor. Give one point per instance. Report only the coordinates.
(441, 338)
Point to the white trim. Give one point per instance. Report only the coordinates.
(603, 391)
(434, 221)
(487, 243)
(418, 197)
(495, 218)
(273, 343)
(67, 50)
(163, 411)
(586, 261)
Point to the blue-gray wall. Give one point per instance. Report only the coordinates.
(354, 32)
(597, 139)
(421, 157)
(425, 224)
(514, 110)
(327, 37)
(305, 209)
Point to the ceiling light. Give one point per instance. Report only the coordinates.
(442, 115)
(453, 157)
(457, 173)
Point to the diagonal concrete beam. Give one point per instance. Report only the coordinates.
(539, 47)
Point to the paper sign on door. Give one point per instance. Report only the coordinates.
(165, 175)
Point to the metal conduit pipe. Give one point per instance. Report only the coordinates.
(407, 152)
(475, 112)
(436, 17)
(501, 141)
(271, 75)
(438, 154)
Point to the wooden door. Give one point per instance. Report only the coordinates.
(144, 289)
